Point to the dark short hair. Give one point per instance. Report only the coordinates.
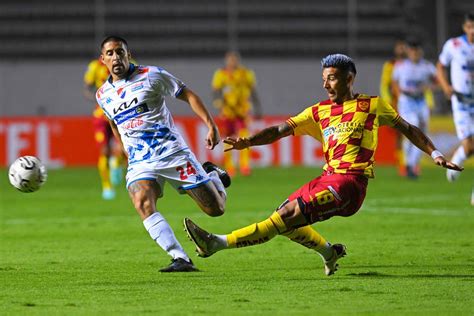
(339, 61)
(469, 16)
(413, 42)
(113, 38)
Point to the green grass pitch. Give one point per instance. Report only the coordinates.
(410, 250)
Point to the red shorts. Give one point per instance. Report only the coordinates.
(102, 131)
(231, 127)
(331, 195)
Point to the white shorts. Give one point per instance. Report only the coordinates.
(463, 115)
(182, 170)
(415, 112)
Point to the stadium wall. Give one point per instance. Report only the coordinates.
(61, 141)
(55, 88)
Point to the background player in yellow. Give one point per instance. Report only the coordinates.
(347, 126)
(234, 94)
(110, 158)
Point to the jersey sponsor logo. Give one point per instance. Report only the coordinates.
(108, 100)
(354, 129)
(137, 87)
(328, 132)
(131, 113)
(133, 123)
(123, 106)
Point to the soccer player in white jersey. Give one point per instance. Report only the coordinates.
(410, 79)
(133, 99)
(458, 54)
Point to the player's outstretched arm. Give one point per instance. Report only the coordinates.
(420, 140)
(266, 136)
(213, 138)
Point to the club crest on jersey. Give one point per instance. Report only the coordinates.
(363, 105)
(121, 92)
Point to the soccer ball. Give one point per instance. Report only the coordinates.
(27, 174)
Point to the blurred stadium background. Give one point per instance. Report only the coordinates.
(46, 46)
(65, 250)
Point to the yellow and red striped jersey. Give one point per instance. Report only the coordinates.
(348, 131)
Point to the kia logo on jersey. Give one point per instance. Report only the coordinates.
(125, 106)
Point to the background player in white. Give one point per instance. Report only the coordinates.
(133, 99)
(411, 78)
(458, 54)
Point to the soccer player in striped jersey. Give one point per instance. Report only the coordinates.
(347, 126)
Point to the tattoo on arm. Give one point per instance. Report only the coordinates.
(270, 134)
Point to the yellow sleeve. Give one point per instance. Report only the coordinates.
(386, 82)
(386, 113)
(217, 82)
(251, 79)
(304, 124)
(90, 74)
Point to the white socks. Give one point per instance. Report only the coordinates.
(217, 182)
(161, 232)
(327, 252)
(458, 158)
(219, 242)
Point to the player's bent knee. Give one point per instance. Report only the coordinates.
(291, 214)
(214, 210)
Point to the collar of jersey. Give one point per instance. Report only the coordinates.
(131, 69)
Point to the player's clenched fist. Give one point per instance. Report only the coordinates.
(239, 143)
(213, 138)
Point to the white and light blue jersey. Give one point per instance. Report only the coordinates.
(414, 78)
(458, 54)
(137, 106)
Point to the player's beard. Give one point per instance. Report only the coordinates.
(119, 70)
